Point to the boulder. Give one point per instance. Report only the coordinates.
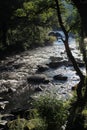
(42, 68)
(60, 77)
(53, 59)
(37, 79)
(7, 117)
(55, 64)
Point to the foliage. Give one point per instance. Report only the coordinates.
(37, 124)
(84, 114)
(18, 124)
(52, 110)
(22, 124)
(25, 22)
(48, 113)
(70, 17)
(34, 122)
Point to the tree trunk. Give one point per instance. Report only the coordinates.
(69, 54)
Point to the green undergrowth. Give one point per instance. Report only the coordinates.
(47, 113)
(77, 118)
(22, 124)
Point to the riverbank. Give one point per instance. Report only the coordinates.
(17, 48)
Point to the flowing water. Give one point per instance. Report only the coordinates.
(14, 70)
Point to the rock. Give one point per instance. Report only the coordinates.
(60, 77)
(3, 104)
(62, 53)
(55, 64)
(18, 65)
(80, 64)
(42, 68)
(7, 117)
(53, 59)
(37, 79)
(1, 99)
(3, 123)
(11, 90)
(38, 89)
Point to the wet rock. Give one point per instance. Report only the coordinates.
(7, 75)
(62, 53)
(2, 129)
(38, 89)
(3, 124)
(11, 90)
(42, 68)
(60, 77)
(7, 117)
(64, 93)
(17, 66)
(37, 79)
(53, 59)
(80, 64)
(55, 64)
(3, 68)
(1, 99)
(3, 104)
(5, 84)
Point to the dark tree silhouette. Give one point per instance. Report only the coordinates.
(81, 5)
(69, 54)
(7, 9)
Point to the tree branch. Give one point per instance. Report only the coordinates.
(69, 54)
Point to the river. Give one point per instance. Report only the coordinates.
(15, 91)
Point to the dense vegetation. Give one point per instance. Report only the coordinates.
(48, 113)
(25, 24)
